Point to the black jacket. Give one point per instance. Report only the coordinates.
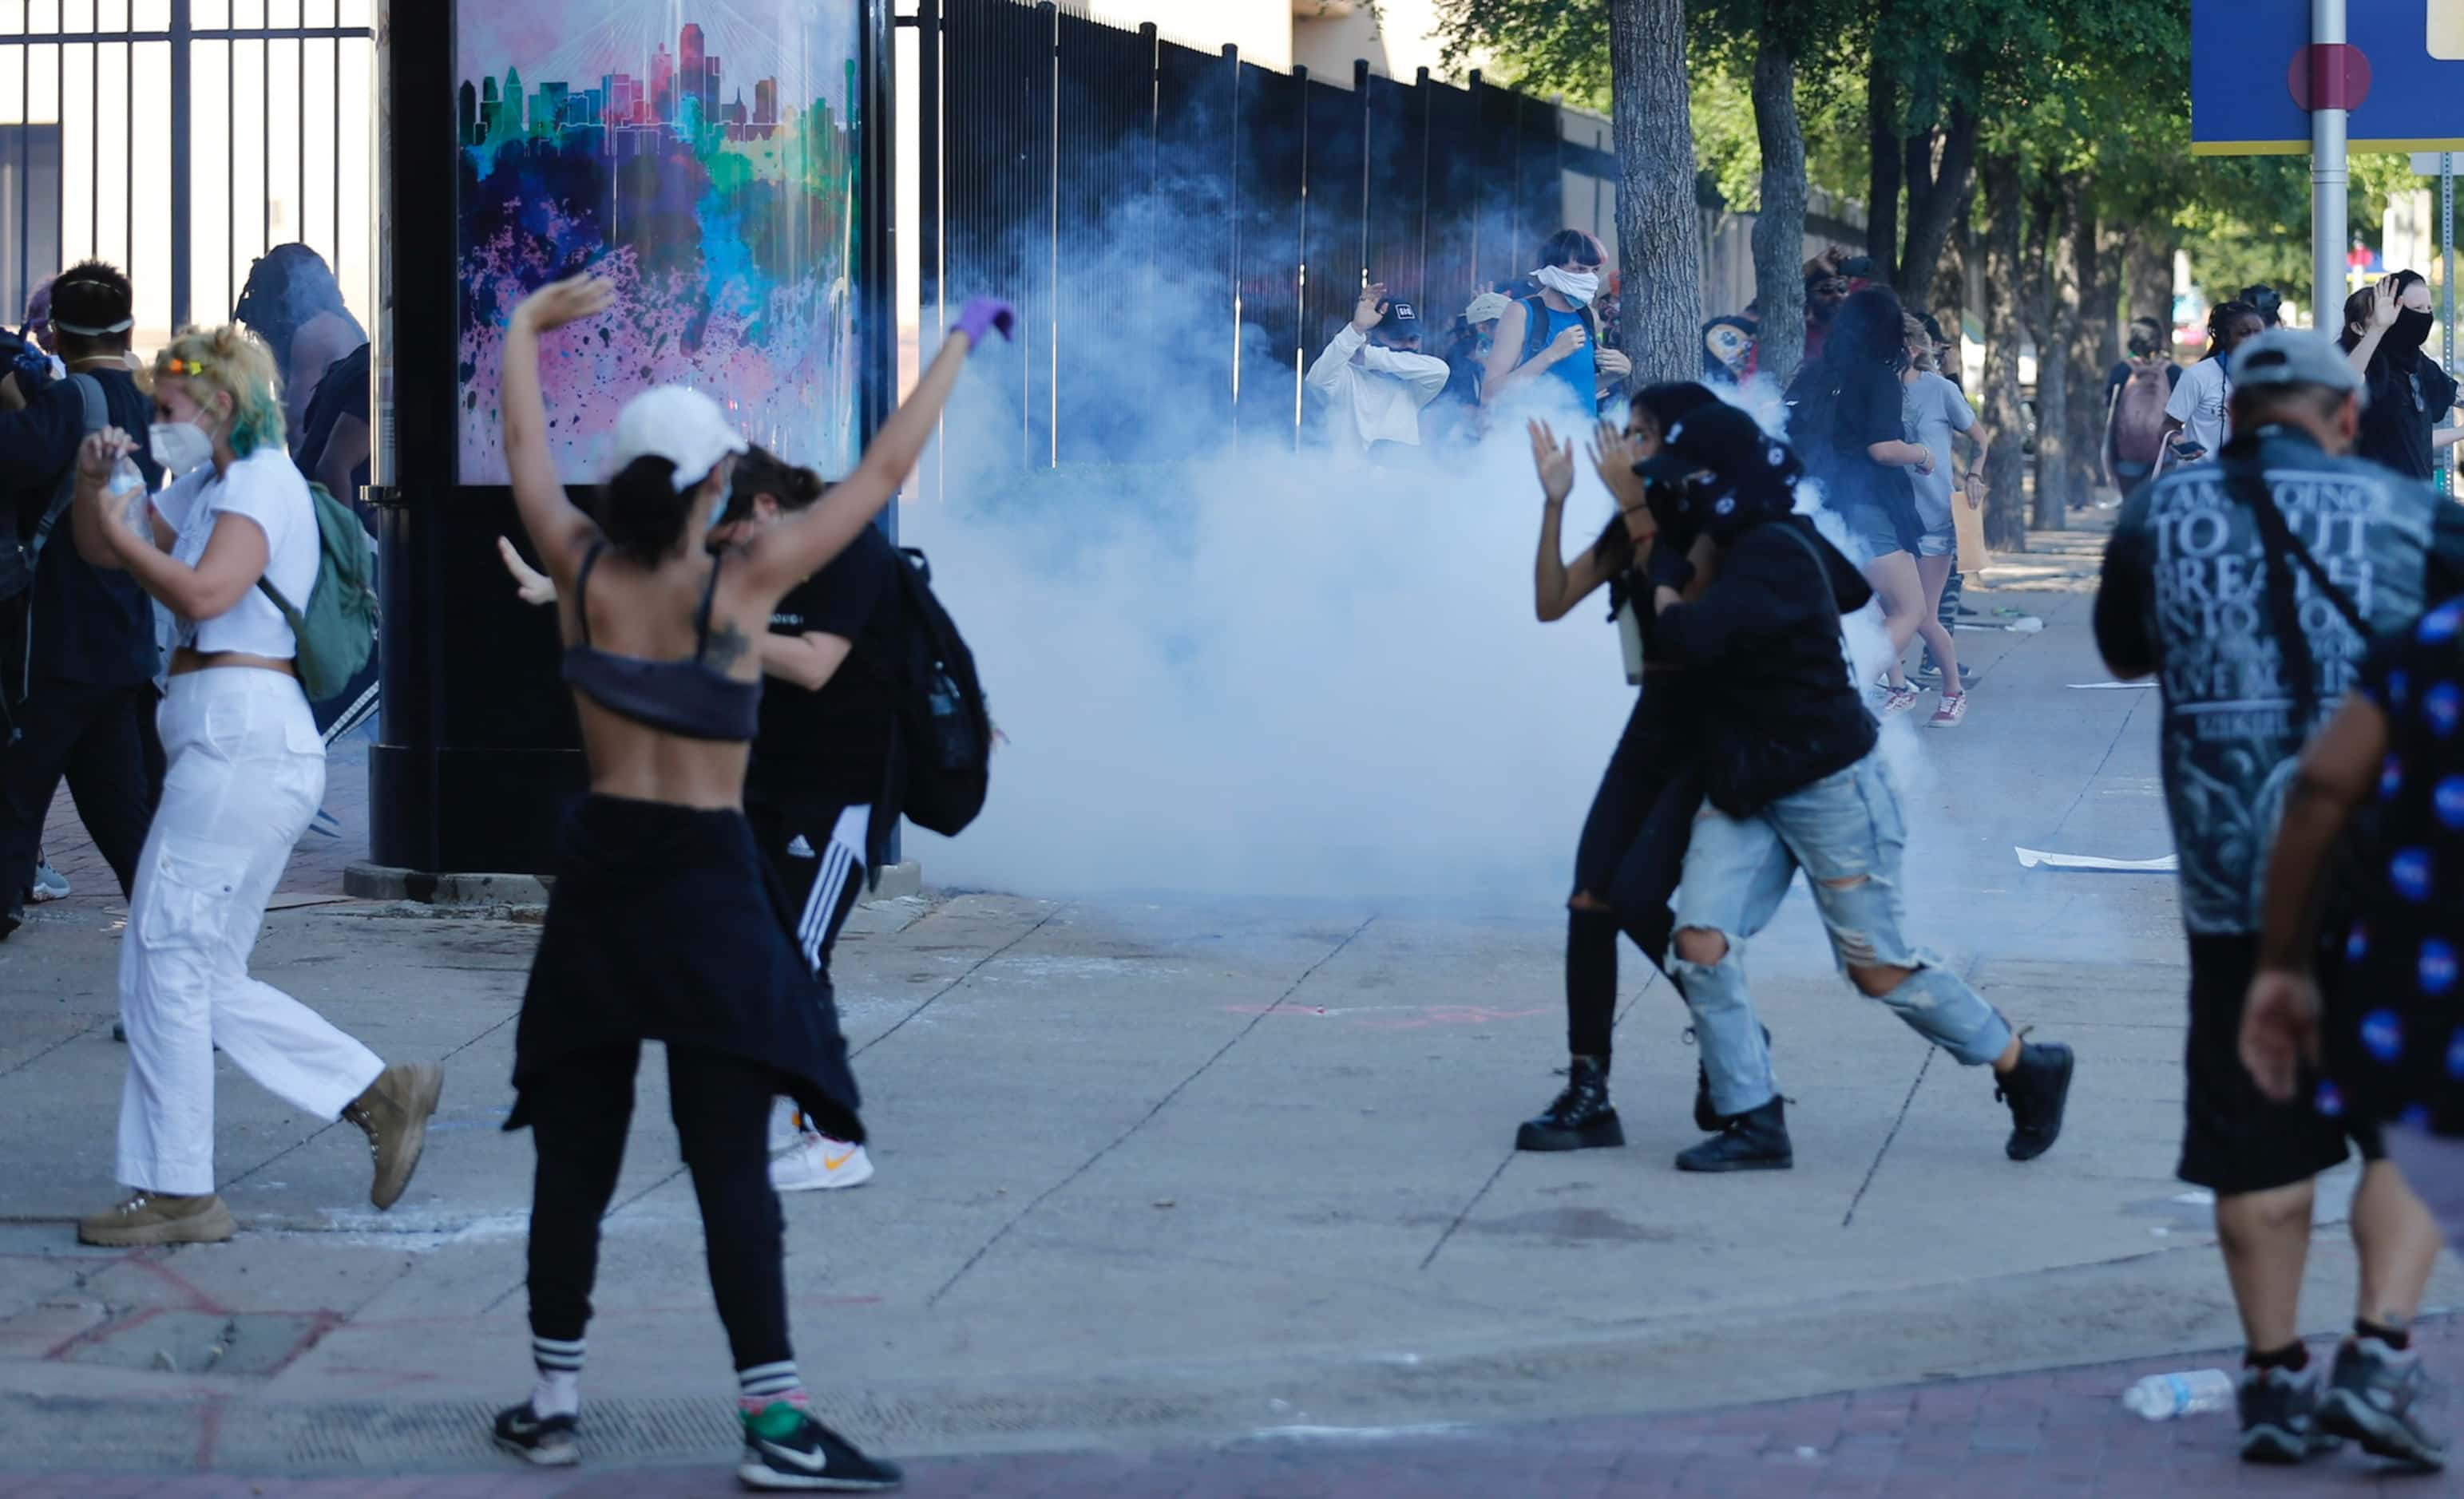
(1763, 646)
(91, 624)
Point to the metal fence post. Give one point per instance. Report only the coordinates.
(181, 202)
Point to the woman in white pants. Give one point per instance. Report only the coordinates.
(247, 771)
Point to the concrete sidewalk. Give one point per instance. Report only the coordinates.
(1156, 1178)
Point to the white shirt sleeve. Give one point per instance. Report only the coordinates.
(1423, 374)
(258, 491)
(2185, 402)
(1326, 376)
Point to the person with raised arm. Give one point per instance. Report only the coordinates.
(665, 924)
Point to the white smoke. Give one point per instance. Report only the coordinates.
(1246, 670)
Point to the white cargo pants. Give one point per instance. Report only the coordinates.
(247, 771)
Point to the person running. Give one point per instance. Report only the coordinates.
(2198, 419)
(247, 771)
(664, 924)
(1794, 778)
(2405, 421)
(2248, 587)
(1634, 838)
(1851, 401)
(816, 791)
(1932, 412)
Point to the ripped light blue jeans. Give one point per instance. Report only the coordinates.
(1845, 831)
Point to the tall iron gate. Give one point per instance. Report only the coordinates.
(1053, 144)
(180, 139)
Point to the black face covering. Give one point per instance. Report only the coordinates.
(2404, 340)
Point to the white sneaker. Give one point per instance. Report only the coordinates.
(50, 884)
(818, 1163)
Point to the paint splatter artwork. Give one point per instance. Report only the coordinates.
(703, 155)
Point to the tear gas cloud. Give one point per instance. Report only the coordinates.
(1231, 667)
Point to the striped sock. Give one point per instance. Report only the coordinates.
(766, 1384)
(558, 1390)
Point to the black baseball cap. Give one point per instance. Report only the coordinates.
(1402, 319)
(1726, 442)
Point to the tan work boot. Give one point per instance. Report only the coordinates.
(158, 1218)
(394, 1112)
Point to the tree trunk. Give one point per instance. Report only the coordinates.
(2006, 524)
(1779, 229)
(2090, 330)
(2058, 332)
(2111, 246)
(2152, 279)
(1660, 231)
(1948, 302)
(1882, 178)
(1943, 202)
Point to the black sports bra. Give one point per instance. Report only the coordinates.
(684, 698)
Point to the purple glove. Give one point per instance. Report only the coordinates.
(983, 313)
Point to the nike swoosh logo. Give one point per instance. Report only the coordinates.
(829, 1164)
(810, 1462)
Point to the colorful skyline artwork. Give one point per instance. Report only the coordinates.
(702, 154)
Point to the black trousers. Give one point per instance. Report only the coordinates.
(823, 877)
(1632, 856)
(102, 741)
(579, 1111)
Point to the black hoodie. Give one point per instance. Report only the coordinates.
(1781, 708)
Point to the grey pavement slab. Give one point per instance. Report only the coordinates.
(1174, 1172)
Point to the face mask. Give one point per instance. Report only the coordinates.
(1577, 287)
(179, 448)
(2411, 329)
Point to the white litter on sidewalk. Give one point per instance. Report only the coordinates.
(2031, 858)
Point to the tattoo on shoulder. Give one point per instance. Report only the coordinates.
(727, 646)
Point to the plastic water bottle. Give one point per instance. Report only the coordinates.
(127, 486)
(2163, 1397)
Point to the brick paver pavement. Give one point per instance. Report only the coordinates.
(2058, 1432)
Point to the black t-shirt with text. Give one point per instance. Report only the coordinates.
(832, 747)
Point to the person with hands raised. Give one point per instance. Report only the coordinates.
(2405, 418)
(247, 771)
(1633, 840)
(1372, 377)
(1556, 334)
(665, 923)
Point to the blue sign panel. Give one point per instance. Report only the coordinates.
(2242, 56)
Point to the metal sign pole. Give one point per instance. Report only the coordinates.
(2329, 177)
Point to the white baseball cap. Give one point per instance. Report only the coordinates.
(1488, 307)
(683, 427)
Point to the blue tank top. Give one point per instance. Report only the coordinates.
(1581, 370)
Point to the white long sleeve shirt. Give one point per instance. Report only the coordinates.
(1378, 400)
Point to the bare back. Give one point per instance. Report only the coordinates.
(649, 614)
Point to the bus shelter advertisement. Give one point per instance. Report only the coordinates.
(701, 154)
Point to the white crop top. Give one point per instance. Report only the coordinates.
(267, 488)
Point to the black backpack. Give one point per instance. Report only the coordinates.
(945, 736)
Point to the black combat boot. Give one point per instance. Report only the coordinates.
(1754, 1140)
(1707, 1119)
(1580, 1120)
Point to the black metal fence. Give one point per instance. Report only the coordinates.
(1092, 174)
(181, 139)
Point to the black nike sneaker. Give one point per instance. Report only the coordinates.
(786, 1448)
(547, 1441)
(1580, 1120)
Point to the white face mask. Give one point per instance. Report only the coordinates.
(180, 447)
(1577, 287)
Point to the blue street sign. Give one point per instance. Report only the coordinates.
(2242, 56)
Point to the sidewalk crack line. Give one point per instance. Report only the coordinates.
(1160, 1104)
